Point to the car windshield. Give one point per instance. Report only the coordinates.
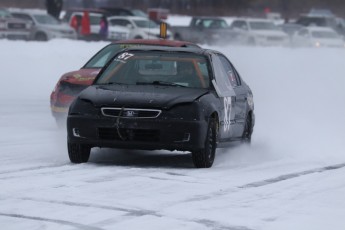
(146, 24)
(104, 55)
(324, 34)
(215, 24)
(175, 69)
(5, 14)
(46, 19)
(139, 13)
(263, 26)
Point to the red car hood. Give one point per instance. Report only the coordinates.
(80, 77)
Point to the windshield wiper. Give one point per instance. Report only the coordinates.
(166, 83)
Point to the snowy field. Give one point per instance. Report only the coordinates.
(291, 177)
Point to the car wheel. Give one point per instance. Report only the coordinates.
(78, 153)
(248, 130)
(41, 37)
(138, 37)
(204, 158)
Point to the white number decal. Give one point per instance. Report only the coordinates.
(227, 113)
(125, 56)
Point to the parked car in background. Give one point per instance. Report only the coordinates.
(323, 20)
(318, 37)
(261, 32)
(45, 27)
(139, 27)
(290, 28)
(95, 15)
(162, 98)
(208, 30)
(13, 28)
(317, 20)
(72, 83)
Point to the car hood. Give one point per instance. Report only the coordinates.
(151, 30)
(57, 27)
(140, 96)
(80, 77)
(329, 41)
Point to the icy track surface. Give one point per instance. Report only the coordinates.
(291, 177)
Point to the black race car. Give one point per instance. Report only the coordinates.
(155, 98)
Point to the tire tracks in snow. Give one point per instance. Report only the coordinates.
(7, 174)
(32, 169)
(130, 212)
(291, 176)
(266, 182)
(55, 221)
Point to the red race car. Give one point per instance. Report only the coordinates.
(72, 83)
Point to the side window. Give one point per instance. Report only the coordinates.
(223, 85)
(126, 23)
(117, 22)
(230, 72)
(95, 19)
(22, 16)
(240, 24)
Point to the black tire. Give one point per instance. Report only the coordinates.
(138, 37)
(78, 153)
(204, 158)
(41, 37)
(248, 130)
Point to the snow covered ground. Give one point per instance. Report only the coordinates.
(291, 177)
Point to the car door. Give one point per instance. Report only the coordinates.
(240, 98)
(227, 98)
(124, 24)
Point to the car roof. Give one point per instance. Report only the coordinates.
(28, 11)
(168, 49)
(128, 17)
(91, 10)
(157, 42)
(320, 28)
(254, 20)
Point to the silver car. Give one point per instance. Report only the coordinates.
(13, 28)
(45, 26)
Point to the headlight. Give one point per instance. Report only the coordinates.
(317, 44)
(82, 107)
(184, 111)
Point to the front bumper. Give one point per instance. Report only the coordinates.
(15, 35)
(137, 133)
